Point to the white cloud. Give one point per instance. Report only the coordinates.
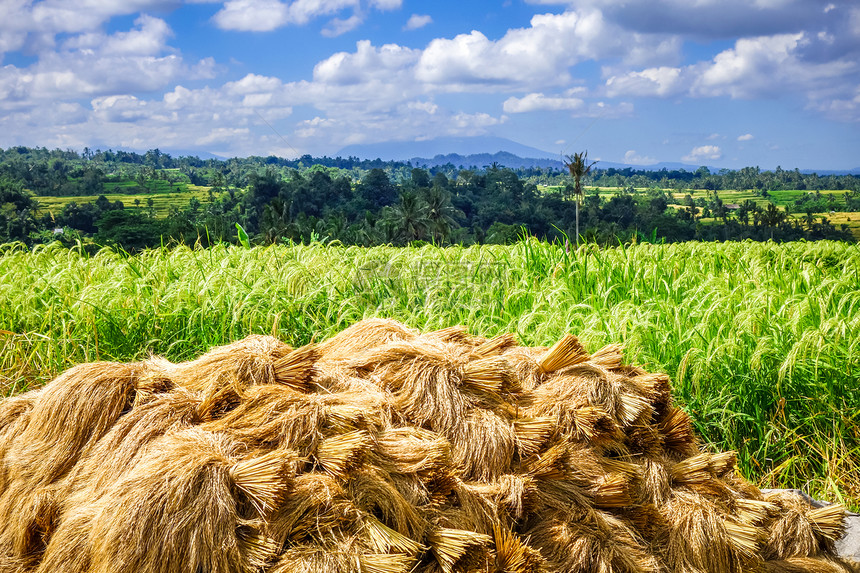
(766, 66)
(710, 19)
(94, 65)
(150, 39)
(761, 67)
(252, 15)
(418, 21)
(659, 82)
(746, 137)
(337, 26)
(34, 25)
(703, 153)
(541, 54)
(539, 102)
(268, 15)
(634, 158)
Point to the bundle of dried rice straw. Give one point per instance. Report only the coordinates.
(383, 450)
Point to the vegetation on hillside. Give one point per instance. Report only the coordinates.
(136, 201)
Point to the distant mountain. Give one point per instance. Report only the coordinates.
(855, 171)
(479, 152)
(481, 160)
(189, 153)
(406, 150)
(504, 159)
(482, 152)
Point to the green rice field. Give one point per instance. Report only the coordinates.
(762, 341)
(163, 201)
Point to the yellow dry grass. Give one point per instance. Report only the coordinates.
(382, 450)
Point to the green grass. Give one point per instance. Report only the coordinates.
(762, 341)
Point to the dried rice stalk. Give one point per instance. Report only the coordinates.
(678, 434)
(612, 492)
(633, 408)
(458, 549)
(532, 434)
(491, 376)
(296, 369)
(754, 511)
(246, 362)
(184, 474)
(516, 494)
(257, 550)
(341, 454)
(372, 492)
(828, 521)
(385, 563)
(384, 539)
(566, 352)
(592, 541)
(484, 447)
(657, 389)
(413, 450)
(494, 346)
(265, 479)
(369, 333)
(702, 472)
(551, 464)
(610, 356)
(701, 539)
(68, 416)
(316, 509)
(807, 565)
(329, 558)
(744, 538)
(422, 378)
(513, 555)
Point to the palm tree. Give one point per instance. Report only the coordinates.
(409, 217)
(442, 215)
(579, 167)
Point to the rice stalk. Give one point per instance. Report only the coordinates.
(265, 479)
(458, 550)
(341, 454)
(296, 369)
(566, 352)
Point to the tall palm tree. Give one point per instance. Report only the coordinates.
(579, 167)
(409, 217)
(442, 215)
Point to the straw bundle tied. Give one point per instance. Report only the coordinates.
(383, 450)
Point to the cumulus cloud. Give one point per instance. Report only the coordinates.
(760, 67)
(633, 158)
(93, 65)
(659, 82)
(711, 19)
(418, 21)
(746, 137)
(268, 15)
(252, 15)
(703, 153)
(541, 54)
(539, 102)
(33, 26)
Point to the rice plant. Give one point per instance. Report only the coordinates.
(760, 340)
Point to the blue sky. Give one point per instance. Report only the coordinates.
(727, 83)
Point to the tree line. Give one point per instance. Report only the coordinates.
(373, 202)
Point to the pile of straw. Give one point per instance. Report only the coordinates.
(382, 450)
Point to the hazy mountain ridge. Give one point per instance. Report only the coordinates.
(481, 152)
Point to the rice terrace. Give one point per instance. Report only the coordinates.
(525, 407)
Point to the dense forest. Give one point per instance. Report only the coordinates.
(271, 199)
